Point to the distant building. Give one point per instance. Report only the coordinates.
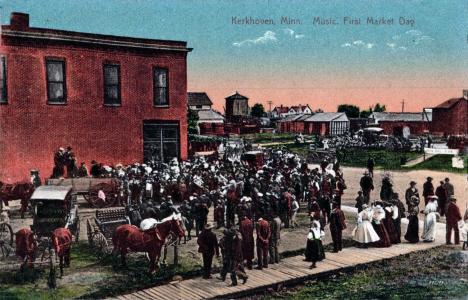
(238, 119)
(318, 124)
(451, 116)
(300, 109)
(402, 124)
(280, 111)
(210, 122)
(112, 99)
(327, 124)
(236, 106)
(198, 101)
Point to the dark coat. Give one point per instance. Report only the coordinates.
(208, 243)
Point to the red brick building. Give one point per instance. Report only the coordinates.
(451, 116)
(402, 124)
(112, 99)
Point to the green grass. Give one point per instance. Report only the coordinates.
(384, 160)
(271, 137)
(438, 162)
(434, 274)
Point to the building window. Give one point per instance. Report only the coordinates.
(161, 87)
(112, 85)
(56, 88)
(3, 82)
(199, 106)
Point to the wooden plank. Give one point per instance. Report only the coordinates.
(136, 296)
(154, 294)
(173, 291)
(281, 277)
(145, 295)
(279, 272)
(195, 287)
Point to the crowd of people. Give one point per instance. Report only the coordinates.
(265, 198)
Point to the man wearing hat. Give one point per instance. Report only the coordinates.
(208, 247)
(201, 216)
(367, 185)
(231, 244)
(83, 171)
(441, 193)
(411, 195)
(219, 215)
(453, 216)
(59, 161)
(449, 187)
(337, 225)
(246, 229)
(428, 190)
(263, 239)
(360, 200)
(70, 162)
(275, 227)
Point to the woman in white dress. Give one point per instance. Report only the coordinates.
(430, 220)
(365, 233)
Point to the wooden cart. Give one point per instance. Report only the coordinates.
(99, 192)
(100, 233)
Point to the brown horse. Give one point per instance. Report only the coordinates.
(128, 237)
(62, 239)
(25, 245)
(19, 190)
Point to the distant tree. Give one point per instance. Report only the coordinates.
(192, 120)
(258, 110)
(351, 111)
(319, 111)
(379, 108)
(375, 108)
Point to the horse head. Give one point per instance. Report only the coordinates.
(176, 228)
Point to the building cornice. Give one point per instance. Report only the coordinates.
(92, 40)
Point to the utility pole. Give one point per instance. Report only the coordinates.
(403, 106)
(270, 102)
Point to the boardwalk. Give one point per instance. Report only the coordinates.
(288, 271)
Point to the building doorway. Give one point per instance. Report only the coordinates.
(161, 141)
(398, 131)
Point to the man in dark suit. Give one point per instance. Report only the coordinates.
(207, 246)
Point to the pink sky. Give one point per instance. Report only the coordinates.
(328, 99)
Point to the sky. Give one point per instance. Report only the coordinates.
(322, 59)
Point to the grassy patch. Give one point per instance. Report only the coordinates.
(387, 160)
(439, 162)
(271, 137)
(438, 273)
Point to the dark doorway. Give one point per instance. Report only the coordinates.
(160, 141)
(398, 131)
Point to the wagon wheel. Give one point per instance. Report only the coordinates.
(90, 231)
(100, 245)
(77, 229)
(102, 195)
(313, 157)
(6, 240)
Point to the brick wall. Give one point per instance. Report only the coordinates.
(31, 130)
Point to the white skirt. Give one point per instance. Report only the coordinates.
(365, 233)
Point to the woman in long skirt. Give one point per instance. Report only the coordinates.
(430, 220)
(365, 233)
(314, 249)
(412, 233)
(379, 227)
(391, 214)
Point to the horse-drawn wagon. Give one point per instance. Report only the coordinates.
(317, 155)
(100, 233)
(99, 192)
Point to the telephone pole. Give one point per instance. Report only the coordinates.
(403, 106)
(270, 102)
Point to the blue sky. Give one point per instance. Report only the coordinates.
(323, 65)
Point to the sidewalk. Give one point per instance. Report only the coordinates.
(288, 271)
